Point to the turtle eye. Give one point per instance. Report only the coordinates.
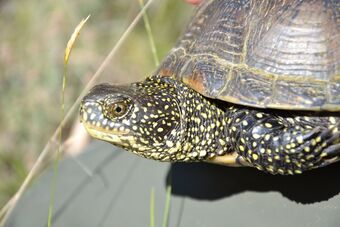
(118, 109)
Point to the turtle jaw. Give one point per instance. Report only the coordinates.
(114, 136)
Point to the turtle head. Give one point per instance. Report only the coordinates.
(143, 117)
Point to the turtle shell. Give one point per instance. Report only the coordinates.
(282, 54)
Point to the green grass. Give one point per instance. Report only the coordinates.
(167, 207)
(166, 210)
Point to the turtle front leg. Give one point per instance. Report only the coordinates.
(230, 159)
(285, 145)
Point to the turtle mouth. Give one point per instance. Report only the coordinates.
(114, 135)
(116, 131)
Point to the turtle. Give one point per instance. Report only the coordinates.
(251, 83)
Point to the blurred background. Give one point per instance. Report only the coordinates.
(33, 37)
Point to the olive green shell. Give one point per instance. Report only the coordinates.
(282, 54)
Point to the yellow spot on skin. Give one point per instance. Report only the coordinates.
(202, 128)
(332, 120)
(267, 137)
(268, 125)
(203, 153)
(198, 121)
(256, 136)
(172, 150)
(318, 139)
(259, 115)
(187, 146)
(323, 154)
(222, 142)
(92, 116)
(160, 130)
(155, 155)
(180, 156)
(297, 171)
(241, 148)
(255, 156)
(299, 139)
(169, 143)
(144, 141)
(280, 171)
(307, 149)
(313, 142)
(218, 124)
(309, 157)
(270, 168)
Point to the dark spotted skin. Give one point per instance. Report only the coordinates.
(284, 143)
(166, 120)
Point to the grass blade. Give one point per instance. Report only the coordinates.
(150, 36)
(167, 206)
(152, 207)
